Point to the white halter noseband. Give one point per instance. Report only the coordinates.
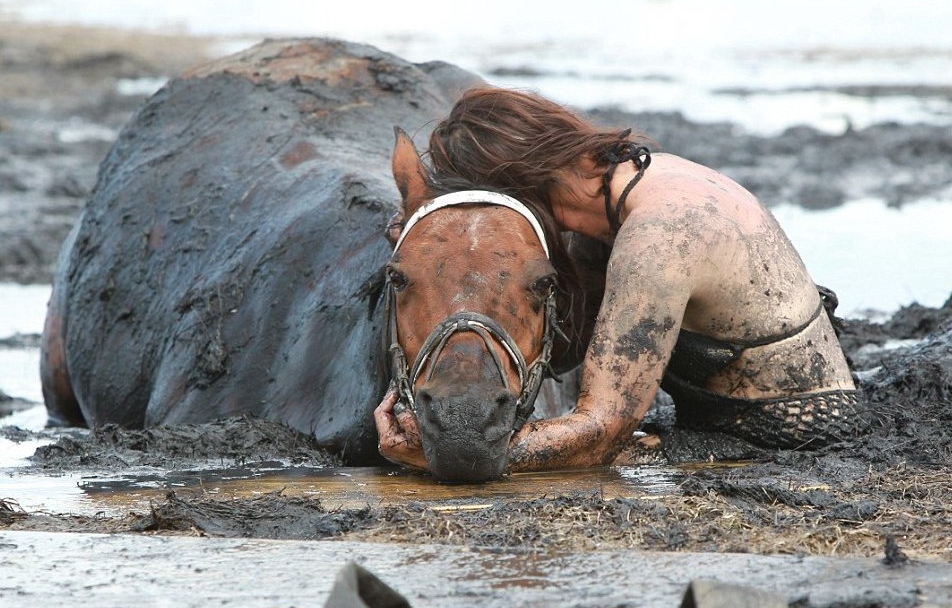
(468, 197)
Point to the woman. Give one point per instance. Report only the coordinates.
(704, 294)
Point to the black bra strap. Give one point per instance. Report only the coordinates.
(787, 334)
(622, 152)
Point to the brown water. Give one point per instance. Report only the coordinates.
(56, 569)
(114, 494)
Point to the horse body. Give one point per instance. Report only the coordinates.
(228, 260)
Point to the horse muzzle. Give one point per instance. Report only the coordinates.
(465, 435)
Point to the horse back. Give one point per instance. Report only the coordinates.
(228, 260)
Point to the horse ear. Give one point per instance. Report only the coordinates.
(409, 173)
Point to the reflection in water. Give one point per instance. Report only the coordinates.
(342, 488)
(349, 487)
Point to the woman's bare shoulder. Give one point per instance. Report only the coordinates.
(674, 185)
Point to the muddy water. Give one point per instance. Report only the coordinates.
(112, 494)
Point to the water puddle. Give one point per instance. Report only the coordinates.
(114, 494)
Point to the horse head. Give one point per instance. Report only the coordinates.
(471, 308)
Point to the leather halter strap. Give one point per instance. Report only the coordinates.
(473, 197)
(530, 376)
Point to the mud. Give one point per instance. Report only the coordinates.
(9, 405)
(803, 166)
(857, 525)
(66, 92)
(884, 498)
(885, 494)
(236, 441)
(290, 573)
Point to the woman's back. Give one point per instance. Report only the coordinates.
(749, 285)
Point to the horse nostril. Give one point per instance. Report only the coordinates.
(423, 401)
(505, 399)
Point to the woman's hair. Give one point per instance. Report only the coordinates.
(515, 142)
(522, 144)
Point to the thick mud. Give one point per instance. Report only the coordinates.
(885, 497)
(237, 441)
(882, 504)
(886, 494)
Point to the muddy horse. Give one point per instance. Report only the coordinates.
(231, 257)
(482, 306)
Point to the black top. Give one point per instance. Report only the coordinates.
(697, 357)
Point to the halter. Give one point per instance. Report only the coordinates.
(530, 376)
(469, 197)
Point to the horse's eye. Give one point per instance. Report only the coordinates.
(397, 278)
(542, 286)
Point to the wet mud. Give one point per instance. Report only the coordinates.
(884, 494)
(302, 573)
(10, 405)
(237, 441)
(884, 498)
(881, 504)
(68, 91)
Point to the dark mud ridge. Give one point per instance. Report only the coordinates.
(233, 442)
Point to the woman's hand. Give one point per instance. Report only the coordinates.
(399, 436)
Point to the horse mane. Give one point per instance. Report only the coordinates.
(580, 264)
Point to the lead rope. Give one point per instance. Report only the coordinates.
(622, 152)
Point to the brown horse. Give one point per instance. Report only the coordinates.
(229, 261)
(471, 298)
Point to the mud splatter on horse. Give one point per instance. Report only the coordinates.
(230, 259)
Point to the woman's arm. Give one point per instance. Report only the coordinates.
(648, 285)
(647, 289)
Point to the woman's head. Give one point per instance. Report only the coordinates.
(526, 146)
(516, 142)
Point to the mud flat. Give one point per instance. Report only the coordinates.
(119, 570)
(67, 90)
(864, 523)
(860, 524)
(65, 93)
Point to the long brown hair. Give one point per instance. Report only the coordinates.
(521, 144)
(517, 142)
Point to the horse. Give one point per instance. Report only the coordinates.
(230, 260)
(471, 301)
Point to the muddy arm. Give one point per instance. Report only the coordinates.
(638, 325)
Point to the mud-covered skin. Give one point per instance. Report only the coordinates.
(696, 251)
(229, 258)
